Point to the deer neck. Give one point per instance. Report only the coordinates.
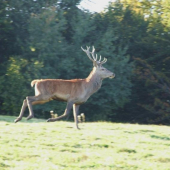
(94, 81)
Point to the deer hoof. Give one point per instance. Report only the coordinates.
(78, 128)
(29, 117)
(49, 120)
(17, 120)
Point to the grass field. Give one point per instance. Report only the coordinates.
(37, 145)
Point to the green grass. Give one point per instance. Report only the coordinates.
(37, 145)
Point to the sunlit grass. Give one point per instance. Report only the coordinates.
(37, 145)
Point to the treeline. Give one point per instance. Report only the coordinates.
(43, 39)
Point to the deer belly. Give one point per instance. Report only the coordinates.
(61, 97)
(81, 100)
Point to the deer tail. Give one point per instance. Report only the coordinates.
(33, 82)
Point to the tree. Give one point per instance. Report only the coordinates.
(48, 37)
(149, 44)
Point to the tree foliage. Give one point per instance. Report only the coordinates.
(42, 39)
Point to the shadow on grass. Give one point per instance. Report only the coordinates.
(127, 150)
(11, 119)
(146, 131)
(160, 137)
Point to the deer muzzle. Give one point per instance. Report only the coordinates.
(112, 76)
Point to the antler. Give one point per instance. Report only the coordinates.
(94, 58)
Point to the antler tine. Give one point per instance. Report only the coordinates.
(93, 50)
(88, 48)
(92, 53)
(100, 58)
(87, 52)
(96, 57)
(104, 61)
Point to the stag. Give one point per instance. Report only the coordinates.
(75, 91)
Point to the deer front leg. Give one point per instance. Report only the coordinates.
(66, 113)
(22, 111)
(75, 113)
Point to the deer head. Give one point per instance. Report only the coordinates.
(99, 69)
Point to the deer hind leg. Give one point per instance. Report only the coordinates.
(33, 100)
(66, 113)
(22, 111)
(29, 101)
(75, 113)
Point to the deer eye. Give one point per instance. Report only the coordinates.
(103, 69)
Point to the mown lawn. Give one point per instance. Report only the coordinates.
(37, 145)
